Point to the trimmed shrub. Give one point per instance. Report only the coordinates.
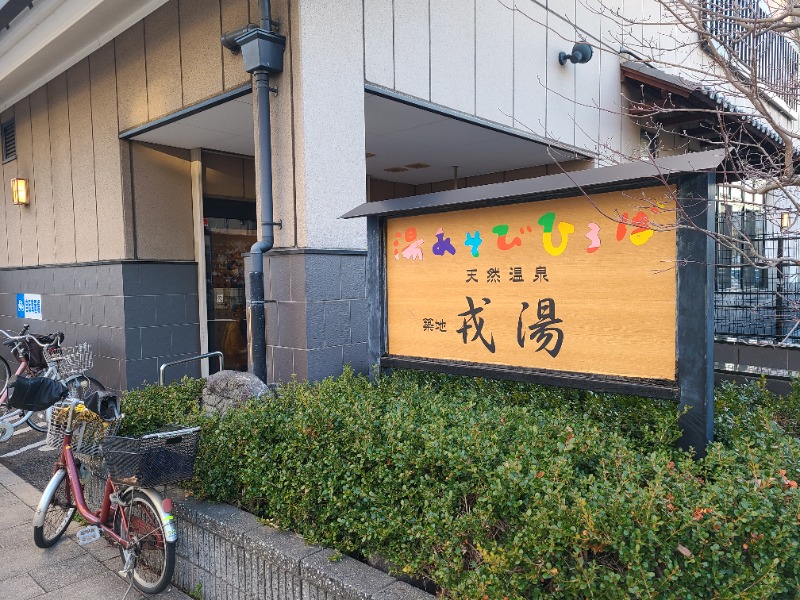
(505, 490)
(150, 408)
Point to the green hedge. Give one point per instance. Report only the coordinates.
(504, 490)
(154, 406)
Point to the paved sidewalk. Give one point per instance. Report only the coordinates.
(66, 571)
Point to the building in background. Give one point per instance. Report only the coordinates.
(133, 127)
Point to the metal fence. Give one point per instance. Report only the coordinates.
(757, 302)
(742, 28)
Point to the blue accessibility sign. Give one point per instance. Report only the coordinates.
(29, 306)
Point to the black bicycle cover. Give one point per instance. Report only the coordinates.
(36, 393)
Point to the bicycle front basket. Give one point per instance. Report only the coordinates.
(72, 360)
(88, 429)
(154, 459)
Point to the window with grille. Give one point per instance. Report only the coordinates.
(9, 140)
(741, 221)
(773, 55)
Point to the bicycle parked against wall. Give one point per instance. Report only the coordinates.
(42, 356)
(132, 515)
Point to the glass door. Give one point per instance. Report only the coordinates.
(230, 231)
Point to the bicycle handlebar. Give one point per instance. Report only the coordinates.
(56, 338)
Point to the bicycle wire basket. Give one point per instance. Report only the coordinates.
(88, 429)
(71, 360)
(158, 458)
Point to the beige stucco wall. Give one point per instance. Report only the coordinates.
(83, 179)
(327, 79)
(495, 60)
(68, 149)
(228, 176)
(162, 189)
(498, 61)
(173, 58)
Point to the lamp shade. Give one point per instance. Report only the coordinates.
(19, 191)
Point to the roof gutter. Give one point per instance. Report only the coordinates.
(11, 10)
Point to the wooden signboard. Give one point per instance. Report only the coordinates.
(573, 285)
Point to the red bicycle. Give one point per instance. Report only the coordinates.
(133, 517)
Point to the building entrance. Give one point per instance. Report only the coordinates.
(229, 231)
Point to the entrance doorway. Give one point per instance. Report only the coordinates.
(229, 231)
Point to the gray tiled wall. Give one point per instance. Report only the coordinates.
(139, 315)
(162, 323)
(316, 313)
(136, 315)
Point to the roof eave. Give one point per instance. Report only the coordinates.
(628, 175)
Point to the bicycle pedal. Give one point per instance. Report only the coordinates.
(88, 534)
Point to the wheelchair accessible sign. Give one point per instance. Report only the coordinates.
(29, 306)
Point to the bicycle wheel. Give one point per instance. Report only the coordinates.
(59, 507)
(9, 414)
(5, 374)
(38, 421)
(80, 386)
(153, 555)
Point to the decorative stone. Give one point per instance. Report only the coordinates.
(227, 389)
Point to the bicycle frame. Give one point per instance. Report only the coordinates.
(30, 338)
(104, 519)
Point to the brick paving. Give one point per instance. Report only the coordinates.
(67, 571)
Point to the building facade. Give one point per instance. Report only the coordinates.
(133, 127)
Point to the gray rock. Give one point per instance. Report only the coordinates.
(228, 389)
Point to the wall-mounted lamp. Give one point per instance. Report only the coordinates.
(786, 221)
(19, 191)
(581, 53)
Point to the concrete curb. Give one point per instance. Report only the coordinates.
(225, 553)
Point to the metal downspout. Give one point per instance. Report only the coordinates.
(256, 320)
(260, 58)
(264, 15)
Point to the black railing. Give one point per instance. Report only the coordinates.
(735, 25)
(758, 302)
